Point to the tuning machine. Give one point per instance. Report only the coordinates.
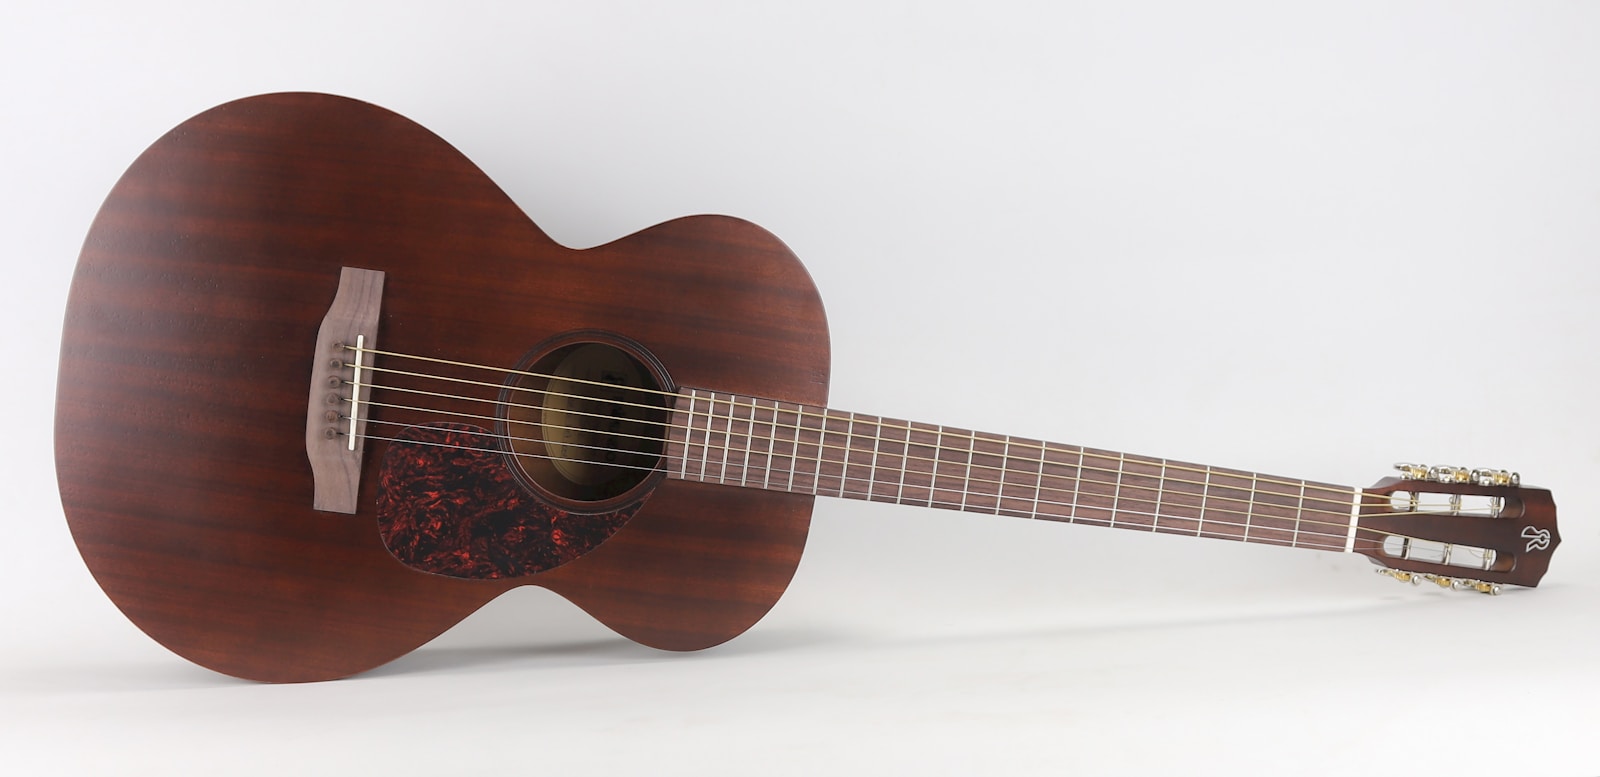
(1445, 474)
(1443, 581)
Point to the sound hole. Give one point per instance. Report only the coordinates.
(587, 422)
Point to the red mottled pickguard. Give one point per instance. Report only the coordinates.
(449, 503)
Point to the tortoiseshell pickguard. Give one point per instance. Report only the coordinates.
(448, 503)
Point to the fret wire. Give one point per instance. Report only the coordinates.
(692, 397)
(1355, 515)
(711, 430)
(730, 443)
(966, 475)
(794, 460)
(773, 451)
(1116, 495)
(1005, 467)
(1077, 486)
(1161, 482)
(727, 438)
(727, 441)
(1249, 508)
(933, 472)
(962, 480)
(711, 406)
(905, 456)
(822, 435)
(767, 474)
(688, 436)
(1038, 486)
(802, 459)
(798, 484)
(684, 464)
(849, 445)
(750, 428)
(844, 453)
(872, 469)
(1300, 510)
(822, 443)
(711, 400)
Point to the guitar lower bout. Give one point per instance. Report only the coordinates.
(193, 322)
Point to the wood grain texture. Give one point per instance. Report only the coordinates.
(189, 334)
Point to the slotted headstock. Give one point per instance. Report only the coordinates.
(1458, 527)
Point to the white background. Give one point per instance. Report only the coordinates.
(1307, 240)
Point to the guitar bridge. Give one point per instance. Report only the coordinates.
(335, 414)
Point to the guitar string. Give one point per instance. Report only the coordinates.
(934, 503)
(1003, 470)
(1154, 526)
(824, 413)
(1339, 505)
(844, 477)
(1043, 448)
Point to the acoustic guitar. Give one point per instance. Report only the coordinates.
(325, 390)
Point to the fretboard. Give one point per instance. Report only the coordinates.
(752, 442)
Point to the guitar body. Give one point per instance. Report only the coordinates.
(189, 341)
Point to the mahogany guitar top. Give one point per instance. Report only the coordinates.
(187, 345)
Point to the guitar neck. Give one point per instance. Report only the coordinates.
(752, 442)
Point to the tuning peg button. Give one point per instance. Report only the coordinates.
(1443, 581)
(1412, 471)
(1496, 477)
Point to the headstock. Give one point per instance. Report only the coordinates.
(1458, 528)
